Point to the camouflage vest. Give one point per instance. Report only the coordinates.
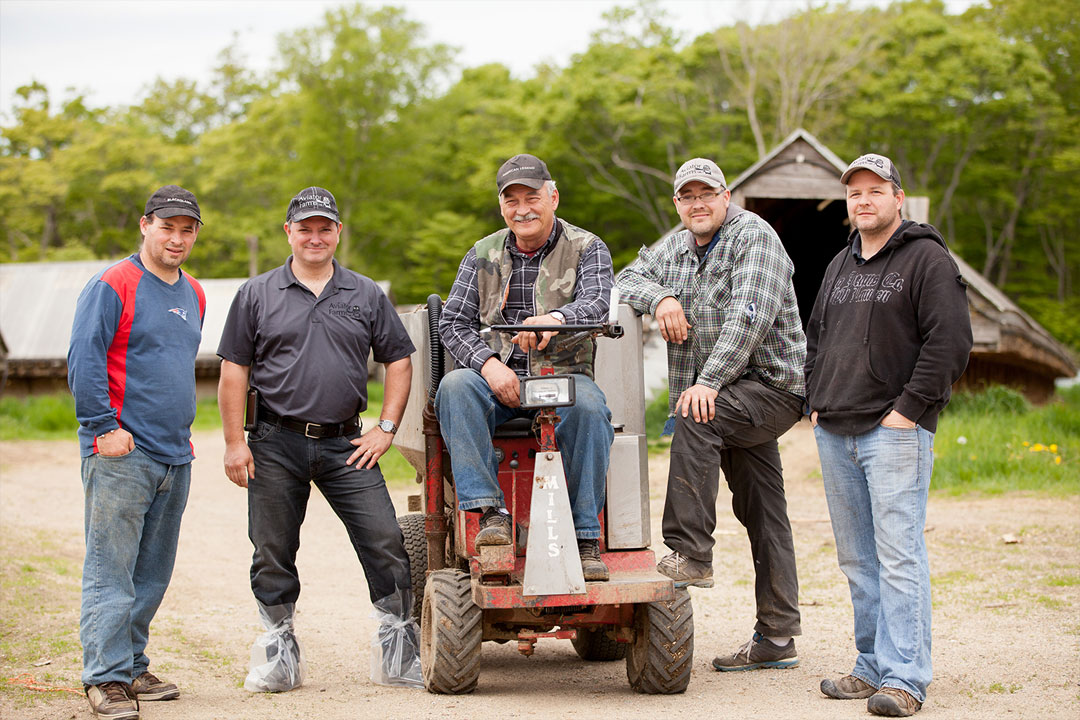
(554, 288)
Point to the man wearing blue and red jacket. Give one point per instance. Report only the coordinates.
(131, 368)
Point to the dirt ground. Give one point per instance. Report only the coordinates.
(1006, 615)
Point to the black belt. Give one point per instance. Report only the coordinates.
(317, 431)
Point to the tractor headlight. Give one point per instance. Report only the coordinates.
(547, 391)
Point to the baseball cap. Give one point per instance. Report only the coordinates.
(880, 165)
(311, 202)
(172, 200)
(524, 169)
(702, 170)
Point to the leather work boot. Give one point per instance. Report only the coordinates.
(113, 701)
(759, 652)
(686, 571)
(848, 687)
(495, 528)
(149, 686)
(592, 567)
(893, 702)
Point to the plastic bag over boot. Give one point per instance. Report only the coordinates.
(276, 662)
(395, 652)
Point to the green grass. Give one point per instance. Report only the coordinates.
(39, 417)
(994, 441)
(656, 415)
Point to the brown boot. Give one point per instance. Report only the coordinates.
(592, 567)
(893, 702)
(495, 528)
(848, 687)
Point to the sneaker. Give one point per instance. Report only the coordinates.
(495, 528)
(758, 652)
(686, 571)
(592, 567)
(892, 702)
(848, 687)
(113, 700)
(150, 687)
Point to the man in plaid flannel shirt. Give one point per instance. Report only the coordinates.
(721, 293)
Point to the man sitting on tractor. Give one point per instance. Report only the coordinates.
(540, 270)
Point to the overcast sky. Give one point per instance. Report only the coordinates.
(111, 50)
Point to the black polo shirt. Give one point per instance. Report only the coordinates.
(308, 356)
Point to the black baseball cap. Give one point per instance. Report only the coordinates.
(172, 200)
(524, 169)
(880, 165)
(311, 202)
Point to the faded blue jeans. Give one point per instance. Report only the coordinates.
(877, 485)
(468, 414)
(133, 506)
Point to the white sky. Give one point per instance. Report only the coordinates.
(111, 50)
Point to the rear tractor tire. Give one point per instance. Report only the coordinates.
(595, 645)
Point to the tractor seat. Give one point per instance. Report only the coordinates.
(516, 428)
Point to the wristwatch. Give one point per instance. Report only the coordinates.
(387, 426)
(558, 316)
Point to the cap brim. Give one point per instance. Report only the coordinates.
(534, 183)
(851, 171)
(707, 179)
(314, 213)
(173, 212)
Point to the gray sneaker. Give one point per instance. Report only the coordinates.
(149, 686)
(113, 701)
(893, 702)
(848, 687)
(686, 571)
(758, 652)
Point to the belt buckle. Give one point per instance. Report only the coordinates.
(307, 430)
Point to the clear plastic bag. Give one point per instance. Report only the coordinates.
(395, 651)
(276, 662)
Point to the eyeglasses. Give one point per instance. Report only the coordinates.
(706, 197)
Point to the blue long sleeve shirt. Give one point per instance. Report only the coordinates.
(131, 362)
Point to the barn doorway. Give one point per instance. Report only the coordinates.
(813, 231)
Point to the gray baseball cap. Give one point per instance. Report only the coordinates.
(312, 202)
(880, 165)
(702, 170)
(524, 169)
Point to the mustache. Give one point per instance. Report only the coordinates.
(526, 217)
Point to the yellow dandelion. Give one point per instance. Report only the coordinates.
(1053, 448)
(1038, 447)
(1057, 460)
(971, 457)
(1026, 443)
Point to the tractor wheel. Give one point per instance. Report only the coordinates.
(450, 634)
(412, 527)
(596, 645)
(659, 660)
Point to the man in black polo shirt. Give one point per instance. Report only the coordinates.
(299, 336)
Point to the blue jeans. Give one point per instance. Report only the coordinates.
(877, 486)
(133, 506)
(468, 414)
(286, 464)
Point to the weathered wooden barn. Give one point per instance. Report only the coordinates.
(797, 189)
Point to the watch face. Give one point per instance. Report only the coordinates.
(387, 426)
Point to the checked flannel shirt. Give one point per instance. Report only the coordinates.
(459, 324)
(740, 304)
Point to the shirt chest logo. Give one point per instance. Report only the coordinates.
(181, 312)
(342, 309)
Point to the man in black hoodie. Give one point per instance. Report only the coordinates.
(888, 336)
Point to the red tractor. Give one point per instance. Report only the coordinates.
(534, 589)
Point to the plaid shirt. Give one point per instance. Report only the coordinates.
(740, 304)
(459, 325)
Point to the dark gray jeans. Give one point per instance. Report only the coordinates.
(741, 440)
(286, 463)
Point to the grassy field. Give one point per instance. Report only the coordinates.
(988, 443)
